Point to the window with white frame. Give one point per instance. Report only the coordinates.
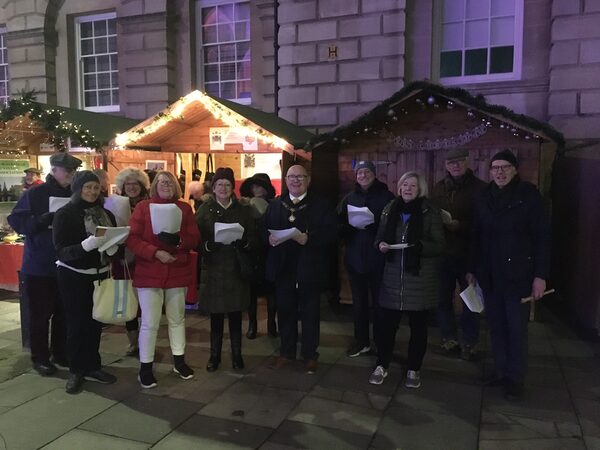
(480, 40)
(4, 92)
(98, 62)
(225, 48)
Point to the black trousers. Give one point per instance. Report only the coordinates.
(387, 326)
(45, 314)
(83, 332)
(362, 284)
(290, 298)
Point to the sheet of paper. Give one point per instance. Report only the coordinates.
(473, 298)
(446, 216)
(55, 203)
(285, 235)
(226, 233)
(399, 246)
(114, 236)
(360, 217)
(165, 217)
(119, 206)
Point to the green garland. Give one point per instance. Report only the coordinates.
(49, 119)
(375, 118)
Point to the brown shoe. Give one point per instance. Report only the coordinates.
(310, 365)
(280, 363)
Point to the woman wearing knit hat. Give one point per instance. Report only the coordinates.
(223, 289)
(79, 265)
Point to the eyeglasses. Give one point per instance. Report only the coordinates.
(503, 168)
(297, 177)
(165, 182)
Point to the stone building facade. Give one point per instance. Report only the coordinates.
(331, 61)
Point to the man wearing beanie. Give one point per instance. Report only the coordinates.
(364, 263)
(33, 218)
(457, 194)
(510, 261)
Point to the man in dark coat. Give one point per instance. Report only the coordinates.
(510, 260)
(456, 194)
(364, 263)
(32, 217)
(296, 266)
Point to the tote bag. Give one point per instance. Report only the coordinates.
(115, 301)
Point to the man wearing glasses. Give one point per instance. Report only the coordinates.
(296, 266)
(510, 260)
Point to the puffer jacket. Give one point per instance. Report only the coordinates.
(149, 271)
(405, 291)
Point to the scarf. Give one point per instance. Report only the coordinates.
(412, 231)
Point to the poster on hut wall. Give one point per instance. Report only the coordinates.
(220, 136)
(11, 178)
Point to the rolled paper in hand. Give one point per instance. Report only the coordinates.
(530, 298)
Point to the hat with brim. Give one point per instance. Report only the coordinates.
(33, 170)
(260, 179)
(65, 160)
(457, 154)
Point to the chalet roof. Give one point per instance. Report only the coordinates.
(380, 113)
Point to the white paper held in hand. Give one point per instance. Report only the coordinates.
(285, 235)
(473, 298)
(55, 203)
(360, 217)
(399, 246)
(165, 217)
(226, 233)
(114, 236)
(119, 206)
(446, 216)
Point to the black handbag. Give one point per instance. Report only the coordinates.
(248, 265)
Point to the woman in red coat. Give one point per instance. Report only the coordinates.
(162, 270)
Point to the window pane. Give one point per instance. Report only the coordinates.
(89, 82)
(212, 88)
(112, 26)
(476, 62)
(243, 70)
(211, 72)
(477, 34)
(227, 52)
(104, 98)
(477, 9)
(452, 36)
(5, 56)
(209, 34)
(100, 28)
(503, 31)
(451, 64)
(228, 90)
(113, 62)
(228, 72)
(104, 80)
(225, 13)
(86, 29)
(112, 44)
(114, 79)
(115, 96)
(89, 64)
(89, 98)
(243, 89)
(453, 10)
(226, 32)
(503, 7)
(243, 51)
(211, 54)
(87, 46)
(100, 45)
(501, 59)
(242, 11)
(242, 30)
(103, 63)
(209, 16)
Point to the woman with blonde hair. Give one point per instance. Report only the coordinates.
(162, 270)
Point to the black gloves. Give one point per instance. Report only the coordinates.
(211, 246)
(240, 244)
(171, 239)
(45, 220)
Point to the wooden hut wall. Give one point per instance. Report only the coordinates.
(120, 159)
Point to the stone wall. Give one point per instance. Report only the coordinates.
(319, 90)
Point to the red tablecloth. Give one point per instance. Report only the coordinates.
(11, 256)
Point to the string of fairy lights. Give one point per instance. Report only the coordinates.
(216, 109)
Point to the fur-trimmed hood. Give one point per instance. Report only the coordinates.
(136, 174)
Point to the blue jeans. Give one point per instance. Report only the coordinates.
(452, 270)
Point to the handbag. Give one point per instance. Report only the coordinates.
(115, 301)
(248, 265)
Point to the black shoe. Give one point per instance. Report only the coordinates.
(357, 349)
(213, 364)
(185, 372)
(61, 361)
(45, 369)
(251, 334)
(448, 347)
(74, 383)
(147, 380)
(100, 376)
(272, 329)
(514, 391)
(237, 362)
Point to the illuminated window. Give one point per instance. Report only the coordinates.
(98, 62)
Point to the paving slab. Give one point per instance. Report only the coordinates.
(209, 433)
(81, 439)
(142, 418)
(409, 428)
(533, 444)
(583, 384)
(254, 404)
(337, 415)
(356, 378)
(301, 435)
(502, 426)
(47, 417)
(292, 376)
(588, 412)
(26, 387)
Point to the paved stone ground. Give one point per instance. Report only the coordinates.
(336, 408)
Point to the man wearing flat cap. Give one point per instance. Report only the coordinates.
(510, 259)
(364, 263)
(456, 194)
(33, 177)
(32, 217)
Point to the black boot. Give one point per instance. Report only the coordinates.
(271, 311)
(235, 335)
(216, 342)
(251, 334)
(146, 377)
